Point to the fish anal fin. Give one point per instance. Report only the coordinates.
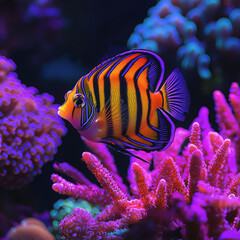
(125, 151)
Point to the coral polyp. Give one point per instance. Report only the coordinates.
(30, 130)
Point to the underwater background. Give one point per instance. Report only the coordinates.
(49, 45)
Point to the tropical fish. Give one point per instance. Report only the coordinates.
(125, 103)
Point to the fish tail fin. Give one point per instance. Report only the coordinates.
(176, 98)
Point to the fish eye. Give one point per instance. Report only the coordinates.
(78, 100)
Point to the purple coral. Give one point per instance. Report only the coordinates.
(30, 130)
(228, 118)
(157, 193)
(201, 35)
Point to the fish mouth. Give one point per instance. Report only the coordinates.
(61, 113)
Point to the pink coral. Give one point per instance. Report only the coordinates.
(30, 129)
(228, 118)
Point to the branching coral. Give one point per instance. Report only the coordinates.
(30, 130)
(202, 35)
(228, 118)
(195, 185)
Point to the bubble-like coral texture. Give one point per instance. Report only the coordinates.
(201, 35)
(30, 129)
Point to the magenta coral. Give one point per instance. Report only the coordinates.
(123, 211)
(196, 165)
(228, 118)
(195, 185)
(30, 129)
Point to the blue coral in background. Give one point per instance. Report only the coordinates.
(203, 36)
(30, 129)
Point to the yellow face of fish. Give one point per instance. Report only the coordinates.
(78, 107)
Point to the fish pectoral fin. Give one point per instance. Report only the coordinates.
(117, 113)
(120, 113)
(104, 116)
(125, 151)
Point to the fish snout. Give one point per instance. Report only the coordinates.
(61, 112)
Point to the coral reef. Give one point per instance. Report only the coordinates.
(202, 36)
(192, 191)
(30, 229)
(30, 130)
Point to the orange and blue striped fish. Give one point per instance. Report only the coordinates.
(125, 103)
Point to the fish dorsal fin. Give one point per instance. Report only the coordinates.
(155, 69)
(155, 64)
